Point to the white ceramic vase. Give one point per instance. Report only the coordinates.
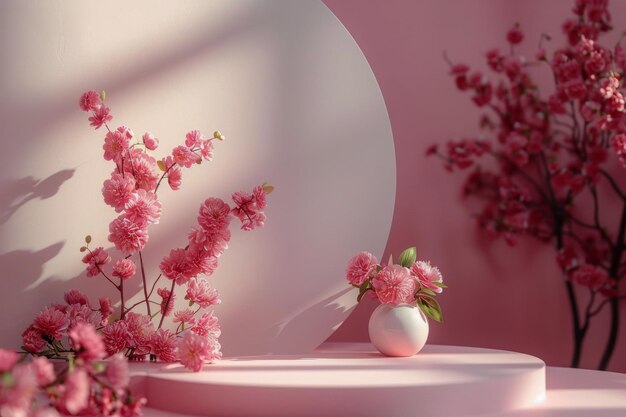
(400, 330)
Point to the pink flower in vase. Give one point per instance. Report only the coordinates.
(118, 190)
(150, 141)
(200, 263)
(360, 267)
(427, 275)
(163, 345)
(87, 342)
(127, 236)
(90, 100)
(96, 259)
(199, 292)
(143, 207)
(124, 268)
(394, 285)
(141, 330)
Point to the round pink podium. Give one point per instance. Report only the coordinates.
(349, 380)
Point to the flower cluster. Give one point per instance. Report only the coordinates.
(551, 151)
(85, 386)
(60, 331)
(408, 282)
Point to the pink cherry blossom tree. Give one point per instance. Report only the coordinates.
(552, 153)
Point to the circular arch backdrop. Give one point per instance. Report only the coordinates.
(286, 84)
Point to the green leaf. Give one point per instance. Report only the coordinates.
(427, 291)
(390, 262)
(440, 284)
(161, 165)
(431, 308)
(190, 303)
(407, 257)
(83, 248)
(88, 239)
(363, 289)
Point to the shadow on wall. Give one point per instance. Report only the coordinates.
(16, 193)
(324, 311)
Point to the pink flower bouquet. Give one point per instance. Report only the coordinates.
(80, 329)
(407, 282)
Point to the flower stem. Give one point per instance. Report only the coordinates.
(145, 285)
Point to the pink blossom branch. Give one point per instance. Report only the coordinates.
(145, 285)
(167, 304)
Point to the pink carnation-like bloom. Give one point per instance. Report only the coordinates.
(118, 190)
(16, 397)
(208, 326)
(193, 138)
(106, 308)
(150, 141)
(116, 144)
(141, 329)
(176, 267)
(427, 275)
(143, 207)
(90, 100)
(8, 359)
(127, 236)
(79, 313)
(184, 317)
(87, 342)
(199, 292)
(143, 167)
(206, 149)
(44, 370)
(214, 215)
(394, 285)
(590, 276)
(163, 345)
(100, 117)
(360, 267)
(51, 322)
(174, 173)
(124, 268)
(75, 392)
(214, 244)
(75, 297)
(96, 259)
(184, 156)
(194, 350)
(200, 263)
(248, 208)
(117, 371)
(167, 301)
(32, 340)
(116, 337)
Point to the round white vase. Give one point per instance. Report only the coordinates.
(400, 330)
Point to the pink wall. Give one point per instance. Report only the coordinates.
(498, 297)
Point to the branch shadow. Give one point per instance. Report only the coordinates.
(14, 194)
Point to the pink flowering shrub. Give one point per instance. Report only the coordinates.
(85, 386)
(81, 331)
(552, 152)
(408, 282)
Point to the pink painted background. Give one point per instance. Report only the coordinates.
(498, 297)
